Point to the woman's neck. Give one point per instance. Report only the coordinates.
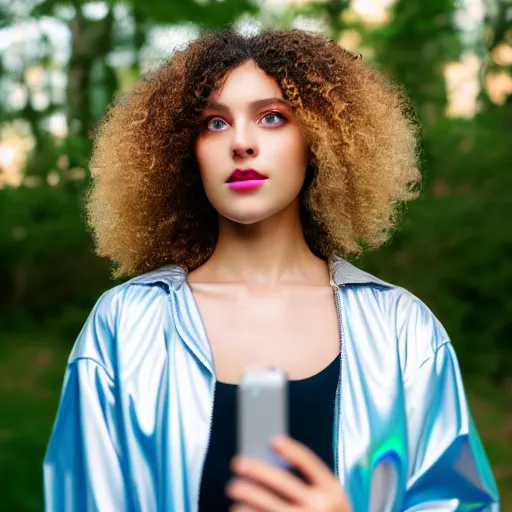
(263, 255)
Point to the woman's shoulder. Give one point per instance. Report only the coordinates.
(125, 315)
(392, 296)
(365, 286)
(139, 291)
(409, 321)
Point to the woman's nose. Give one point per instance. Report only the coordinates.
(244, 150)
(244, 143)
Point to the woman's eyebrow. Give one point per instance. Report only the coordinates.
(254, 105)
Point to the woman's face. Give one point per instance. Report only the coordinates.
(250, 150)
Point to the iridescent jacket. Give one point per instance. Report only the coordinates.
(133, 423)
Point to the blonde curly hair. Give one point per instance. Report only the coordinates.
(146, 204)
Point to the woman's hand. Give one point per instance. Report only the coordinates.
(261, 487)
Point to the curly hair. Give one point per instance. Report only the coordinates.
(146, 204)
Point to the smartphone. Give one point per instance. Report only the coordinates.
(262, 413)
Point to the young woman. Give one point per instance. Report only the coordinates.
(230, 183)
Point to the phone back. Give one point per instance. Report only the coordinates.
(262, 412)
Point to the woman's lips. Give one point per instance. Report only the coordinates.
(245, 185)
(244, 175)
(245, 180)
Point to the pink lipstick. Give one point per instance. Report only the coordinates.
(245, 180)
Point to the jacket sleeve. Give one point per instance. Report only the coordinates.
(83, 468)
(448, 468)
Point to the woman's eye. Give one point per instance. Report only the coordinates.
(216, 124)
(273, 119)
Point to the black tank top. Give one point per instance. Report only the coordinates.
(311, 421)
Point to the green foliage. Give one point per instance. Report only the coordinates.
(329, 11)
(209, 14)
(454, 245)
(47, 262)
(414, 48)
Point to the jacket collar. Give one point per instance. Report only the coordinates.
(342, 273)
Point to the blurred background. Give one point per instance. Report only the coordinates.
(62, 62)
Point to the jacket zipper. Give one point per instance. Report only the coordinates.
(175, 312)
(337, 406)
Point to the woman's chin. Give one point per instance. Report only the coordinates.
(246, 220)
(248, 217)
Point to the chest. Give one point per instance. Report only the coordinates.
(296, 329)
(369, 439)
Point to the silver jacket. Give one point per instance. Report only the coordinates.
(133, 423)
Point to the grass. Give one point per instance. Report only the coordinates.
(31, 372)
(30, 380)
